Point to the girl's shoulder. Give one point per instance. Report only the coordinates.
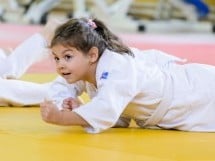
(113, 58)
(113, 63)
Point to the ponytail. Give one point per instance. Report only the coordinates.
(113, 42)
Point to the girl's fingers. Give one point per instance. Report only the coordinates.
(65, 106)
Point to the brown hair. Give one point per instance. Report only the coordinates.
(80, 34)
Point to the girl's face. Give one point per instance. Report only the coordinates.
(72, 64)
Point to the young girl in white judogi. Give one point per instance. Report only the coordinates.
(154, 89)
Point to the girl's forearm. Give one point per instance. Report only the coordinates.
(71, 118)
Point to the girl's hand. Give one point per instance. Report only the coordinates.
(50, 113)
(71, 103)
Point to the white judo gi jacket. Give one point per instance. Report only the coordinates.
(151, 88)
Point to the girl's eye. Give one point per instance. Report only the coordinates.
(68, 57)
(56, 59)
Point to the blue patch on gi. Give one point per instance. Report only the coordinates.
(104, 75)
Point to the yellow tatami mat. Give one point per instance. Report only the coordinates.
(25, 137)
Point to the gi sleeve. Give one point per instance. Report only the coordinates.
(115, 91)
(60, 90)
(31, 50)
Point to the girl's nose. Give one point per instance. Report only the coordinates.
(60, 64)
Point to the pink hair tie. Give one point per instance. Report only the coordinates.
(92, 24)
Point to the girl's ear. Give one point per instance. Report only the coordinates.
(93, 54)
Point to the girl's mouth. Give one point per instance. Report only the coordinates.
(66, 75)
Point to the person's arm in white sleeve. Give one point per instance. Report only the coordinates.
(104, 110)
(28, 52)
(61, 90)
(114, 93)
